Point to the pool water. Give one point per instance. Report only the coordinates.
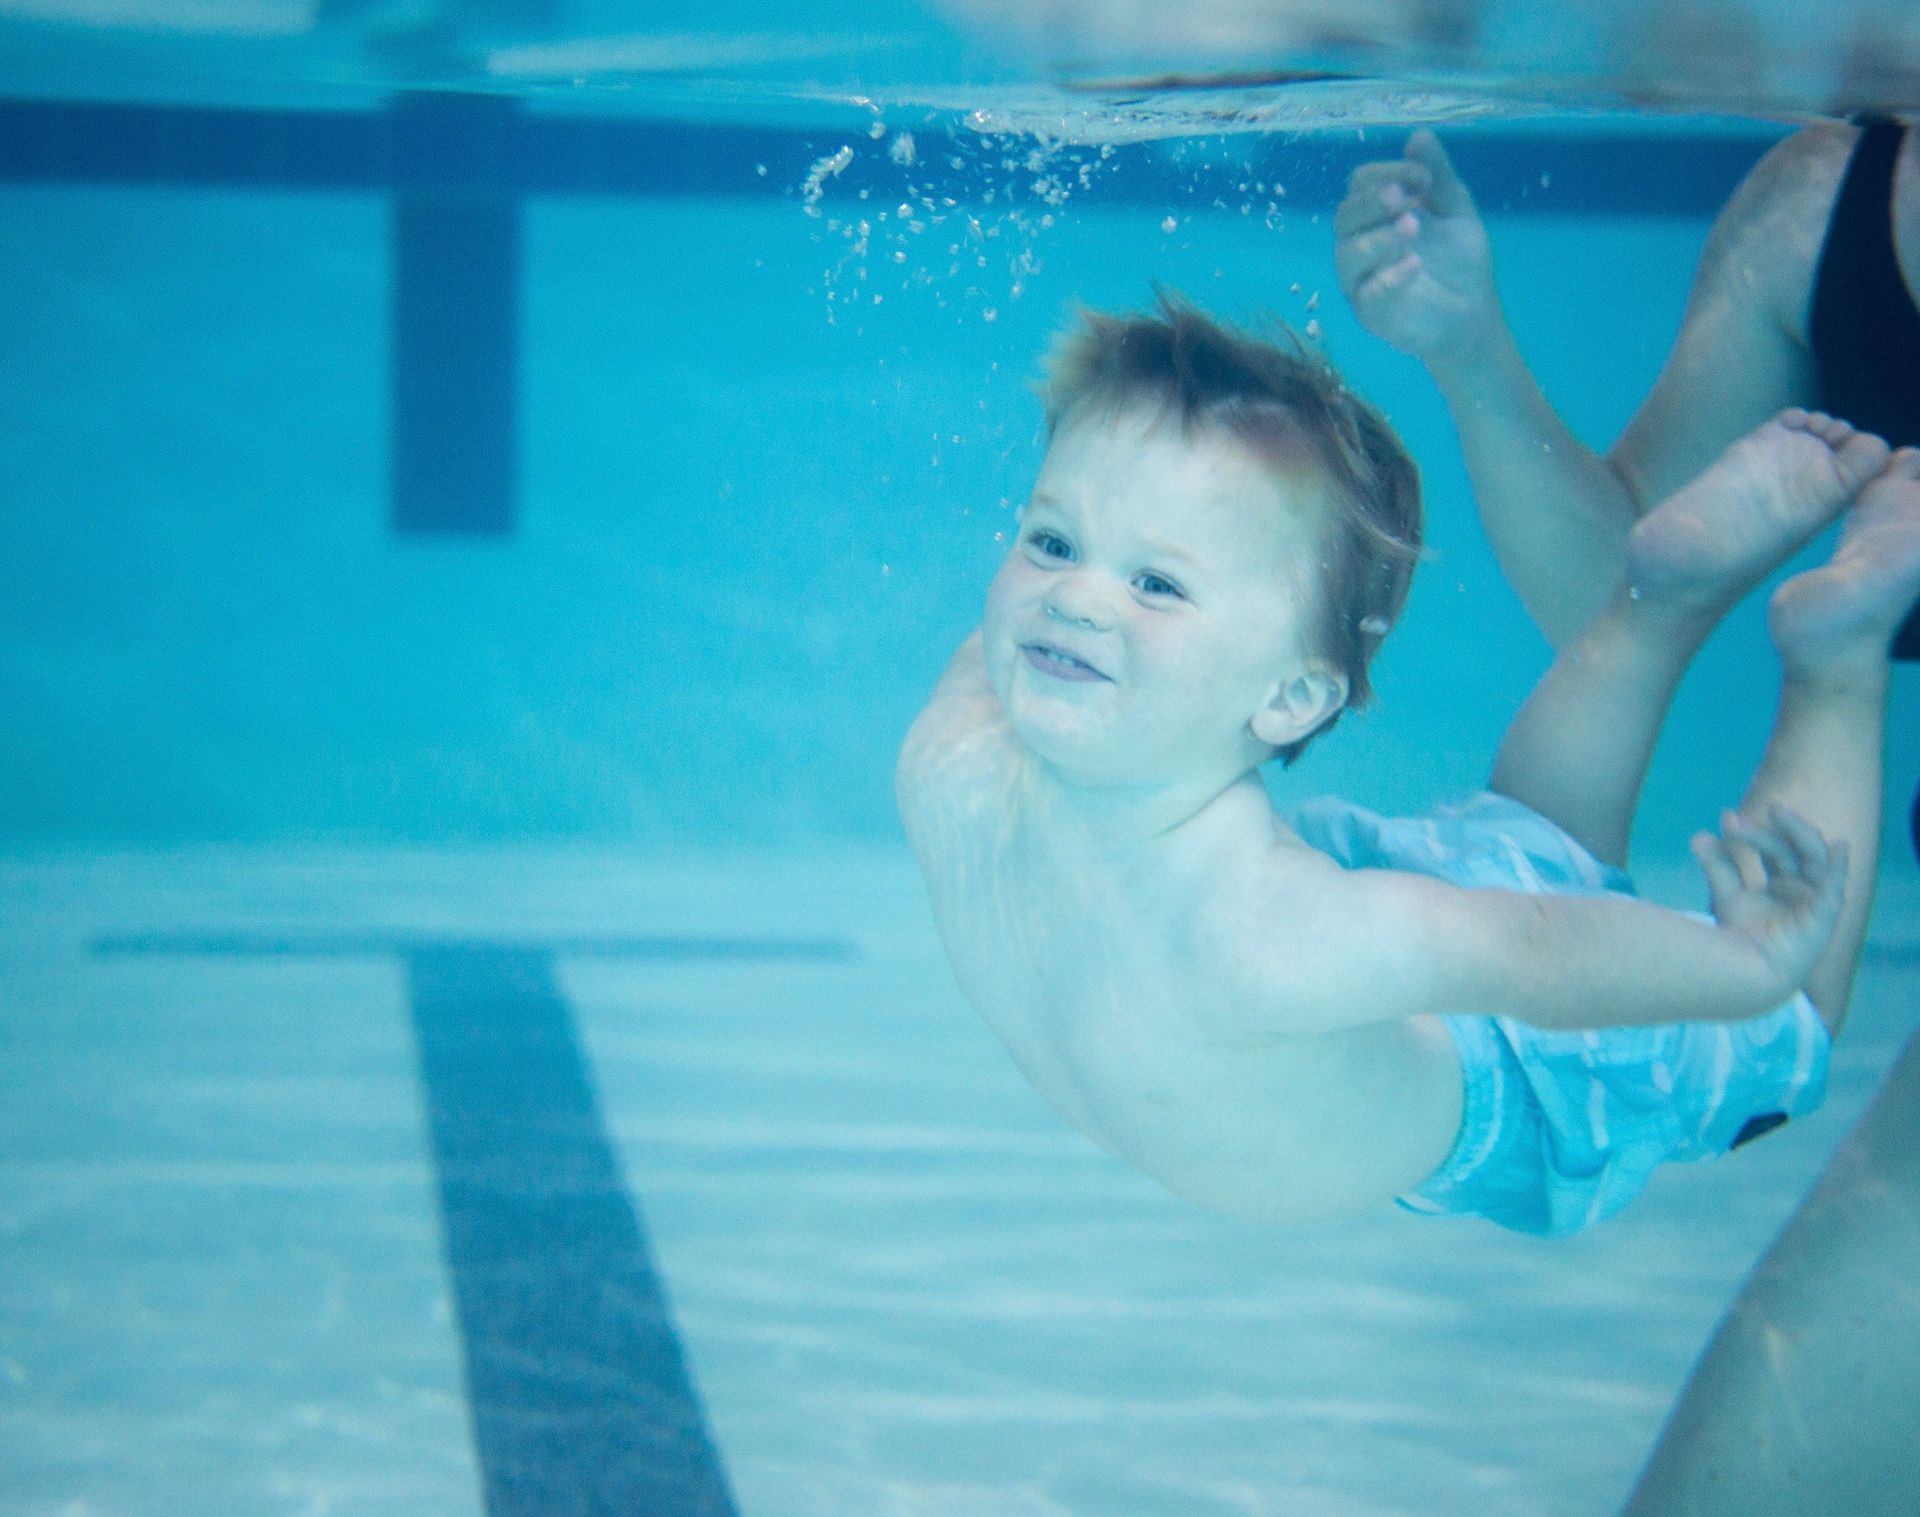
(895, 1283)
(473, 1036)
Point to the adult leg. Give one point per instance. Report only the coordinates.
(1806, 1398)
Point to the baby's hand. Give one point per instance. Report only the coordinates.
(1777, 884)
(1413, 254)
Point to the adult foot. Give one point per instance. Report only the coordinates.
(1756, 505)
(1848, 609)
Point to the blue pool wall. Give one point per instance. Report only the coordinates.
(748, 524)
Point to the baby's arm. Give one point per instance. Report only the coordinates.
(961, 700)
(953, 743)
(1376, 945)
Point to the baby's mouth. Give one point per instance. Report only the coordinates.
(1059, 663)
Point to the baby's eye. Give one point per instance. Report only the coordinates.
(1158, 584)
(1051, 544)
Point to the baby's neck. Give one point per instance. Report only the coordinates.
(1119, 818)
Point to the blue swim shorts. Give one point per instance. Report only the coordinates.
(1561, 1129)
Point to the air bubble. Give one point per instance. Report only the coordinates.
(829, 167)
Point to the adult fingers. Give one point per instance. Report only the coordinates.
(1384, 283)
(1378, 192)
(1360, 257)
(1448, 192)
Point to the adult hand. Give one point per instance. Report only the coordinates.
(1413, 256)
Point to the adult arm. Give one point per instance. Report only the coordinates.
(1416, 263)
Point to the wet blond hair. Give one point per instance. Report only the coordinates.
(1283, 404)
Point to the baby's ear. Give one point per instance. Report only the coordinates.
(1304, 703)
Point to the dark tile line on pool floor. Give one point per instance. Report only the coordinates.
(576, 1382)
(577, 1386)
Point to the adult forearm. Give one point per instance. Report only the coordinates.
(1556, 512)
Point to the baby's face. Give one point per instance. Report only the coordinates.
(1156, 601)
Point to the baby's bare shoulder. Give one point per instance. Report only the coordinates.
(1297, 943)
(1260, 887)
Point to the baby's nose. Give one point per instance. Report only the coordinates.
(1078, 603)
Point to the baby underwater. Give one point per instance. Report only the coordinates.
(1302, 1016)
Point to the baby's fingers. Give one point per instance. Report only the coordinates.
(1818, 908)
(1724, 880)
(1806, 840)
(1832, 883)
(1835, 884)
(1787, 848)
(1744, 843)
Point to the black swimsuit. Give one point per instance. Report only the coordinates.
(1865, 325)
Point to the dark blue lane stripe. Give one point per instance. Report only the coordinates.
(579, 1394)
(411, 146)
(665, 948)
(453, 374)
(453, 354)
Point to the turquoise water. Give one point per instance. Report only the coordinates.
(752, 524)
(289, 802)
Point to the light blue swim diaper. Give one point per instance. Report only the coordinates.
(1561, 1129)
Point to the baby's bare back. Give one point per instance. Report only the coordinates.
(1097, 966)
